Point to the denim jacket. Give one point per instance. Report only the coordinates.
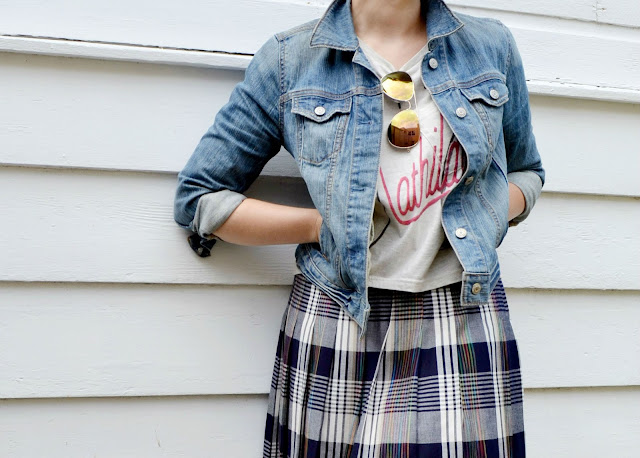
(312, 90)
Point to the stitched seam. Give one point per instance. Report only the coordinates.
(354, 110)
(319, 92)
(472, 232)
(482, 78)
(299, 129)
(490, 209)
(482, 113)
(446, 60)
(337, 143)
(296, 108)
(503, 232)
(510, 50)
(281, 105)
(467, 84)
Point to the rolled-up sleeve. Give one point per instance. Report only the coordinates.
(213, 209)
(245, 134)
(524, 166)
(531, 187)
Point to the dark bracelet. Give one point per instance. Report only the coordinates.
(200, 245)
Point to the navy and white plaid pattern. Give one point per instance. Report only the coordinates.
(430, 378)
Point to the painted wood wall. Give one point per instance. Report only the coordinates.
(116, 340)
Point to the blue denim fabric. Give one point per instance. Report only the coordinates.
(478, 85)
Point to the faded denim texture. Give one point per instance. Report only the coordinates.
(478, 85)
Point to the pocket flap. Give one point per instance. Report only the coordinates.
(492, 92)
(319, 108)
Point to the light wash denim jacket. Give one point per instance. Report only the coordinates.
(312, 90)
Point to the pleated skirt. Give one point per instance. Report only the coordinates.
(430, 378)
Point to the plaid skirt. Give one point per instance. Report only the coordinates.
(430, 378)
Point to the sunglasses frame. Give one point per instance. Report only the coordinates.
(413, 97)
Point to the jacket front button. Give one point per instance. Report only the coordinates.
(433, 63)
(461, 112)
(319, 111)
(476, 288)
(461, 232)
(468, 181)
(494, 93)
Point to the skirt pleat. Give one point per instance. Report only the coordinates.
(430, 378)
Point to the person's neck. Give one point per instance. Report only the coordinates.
(396, 19)
(395, 29)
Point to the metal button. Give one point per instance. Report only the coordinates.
(461, 232)
(319, 111)
(461, 112)
(476, 288)
(494, 93)
(433, 63)
(468, 180)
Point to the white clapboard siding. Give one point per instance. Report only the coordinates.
(617, 12)
(117, 340)
(572, 58)
(559, 423)
(163, 427)
(127, 116)
(582, 53)
(198, 24)
(91, 226)
(82, 340)
(212, 59)
(115, 115)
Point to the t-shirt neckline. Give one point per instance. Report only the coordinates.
(416, 58)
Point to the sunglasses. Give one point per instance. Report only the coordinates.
(404, 130)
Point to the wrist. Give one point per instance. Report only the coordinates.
(516, 201)
(317, 224)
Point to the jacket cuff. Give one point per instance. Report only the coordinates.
(531, 186)
(213, 210)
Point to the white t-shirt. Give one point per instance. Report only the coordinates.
(409, 250)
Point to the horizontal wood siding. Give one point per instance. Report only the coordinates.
(559, 423)
(92, 226)
(80, 340)
(144, 117)
(117, 340)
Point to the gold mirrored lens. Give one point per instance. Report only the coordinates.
(398, 86)
(404, 130)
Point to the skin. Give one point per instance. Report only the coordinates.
(395, 30)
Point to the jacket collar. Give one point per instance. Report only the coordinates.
(335, 28)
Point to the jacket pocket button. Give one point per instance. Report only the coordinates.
(319, 111)
(494, 94)
(461, 232)
(476, 288)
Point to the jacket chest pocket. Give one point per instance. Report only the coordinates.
(487, 99)
(321, 122)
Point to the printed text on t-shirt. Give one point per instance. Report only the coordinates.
(425, 183)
